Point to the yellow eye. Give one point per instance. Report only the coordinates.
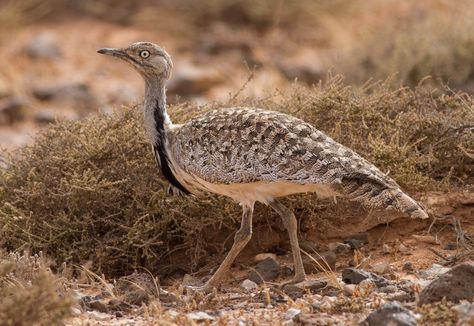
(144, 54)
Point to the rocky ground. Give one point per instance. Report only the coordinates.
(405, 273)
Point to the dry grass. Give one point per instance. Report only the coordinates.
(29, 293)
(90, 190)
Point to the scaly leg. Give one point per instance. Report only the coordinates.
(291, 225)
(242, 237)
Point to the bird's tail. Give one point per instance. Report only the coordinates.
(376, 196)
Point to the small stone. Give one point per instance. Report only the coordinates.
(258, 258)
(456, 284)
(355, 276)
(408, 266)
(200, 316)
(168, 297)
(248, 285)
(43, 46)
(75, 312)
(11, 110)
(339, 247)
(100, 316)
(386, 249)
(349, 289)
(367, 284)
(292, 314)
(403, 249)
(357, 241)
(325, 262)
(450, 246)
(381, 268)
(266, 270)
(399, 296)
(429, 239)
(297, 290)
(392, 313)
(388, 289)
(465, 313)
(434, 271)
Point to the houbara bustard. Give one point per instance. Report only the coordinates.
(252, 155)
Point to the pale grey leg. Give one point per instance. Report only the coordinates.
(291, 225)
(242, 237)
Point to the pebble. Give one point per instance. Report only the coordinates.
(465, 312)
(355, 276)
(434, 271)
(403, 249)
(408, 266)
(386, 249)
(100, 316)
(292, 314)
(43, 46)
(266, 270)
(297, 290)
(392, 313)
(260, 257)
(339, 247)
(248, 285)
(456, 284)
(11, 110)
(357, 241)
(200, 316)
(349, 289)
(381, 268)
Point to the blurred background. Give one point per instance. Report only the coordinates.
(49, 69)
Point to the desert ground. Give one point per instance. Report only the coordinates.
(89, 234)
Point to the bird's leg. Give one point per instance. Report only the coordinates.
(290, 223)
(242, 237)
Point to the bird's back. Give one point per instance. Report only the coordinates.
(242, 146)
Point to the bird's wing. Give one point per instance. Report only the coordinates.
(240, 145)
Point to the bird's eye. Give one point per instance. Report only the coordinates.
(144, 54)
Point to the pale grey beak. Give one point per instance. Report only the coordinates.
(113, 52)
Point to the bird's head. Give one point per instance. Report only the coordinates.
(149, 59)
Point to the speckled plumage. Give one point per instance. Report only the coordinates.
(253, 155)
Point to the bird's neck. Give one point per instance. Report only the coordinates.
(157, 121)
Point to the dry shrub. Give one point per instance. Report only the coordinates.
(29, 293)
(436, 41)
(90, 190)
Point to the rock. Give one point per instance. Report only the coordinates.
(355, 276)
(11, 110)
(297, 290)
(43, 46)
(367, 284)
(429, 239)
(339, 247)
(266, 270)
(292, 314)
(189, 79)
(248, 285)
(258, 258)
(392, 313)
(403, 249)
(465, 312)
(386, 249)
(100, 316)
(327, 262)
(381, 268)
(349, 289)
(317, 319)
(434, 271)
(200, 316)
(456, 284)
(76, 95)
(408, 266)
(399, 296)
(450, 246)
(357, 241)
(168, 297)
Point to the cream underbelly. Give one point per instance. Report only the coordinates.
(262, 191)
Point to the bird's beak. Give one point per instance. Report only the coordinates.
(113, 52)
